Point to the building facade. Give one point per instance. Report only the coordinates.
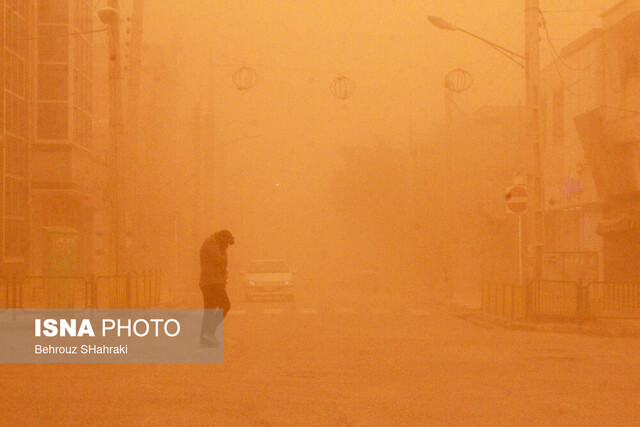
(16, 23)
(55, 143)
(590, 130)
(62, 160)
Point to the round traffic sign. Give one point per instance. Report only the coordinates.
(517, 199)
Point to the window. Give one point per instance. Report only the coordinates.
(16, 156)
(15, 78)
(14, 112)
(14, 197)
(16, 32)
(50, 47)
(53, 120)
(53, 11)
(18, 6)
(82, 15)
(64, 70)
(558, 116)
(15, 241)
(53, 82)
(82, 88)
(16, 115)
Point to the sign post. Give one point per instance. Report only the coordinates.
(519, 266)
(516, 197)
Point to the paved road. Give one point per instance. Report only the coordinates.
(323, 361)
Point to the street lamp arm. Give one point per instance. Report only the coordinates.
(510, 54)
(509, 57)
(492, 44)
(448, 26)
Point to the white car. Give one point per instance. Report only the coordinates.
(270, 278)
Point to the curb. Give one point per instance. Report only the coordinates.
(592, 328)
(589, 328)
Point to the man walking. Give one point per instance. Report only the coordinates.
(213, 281)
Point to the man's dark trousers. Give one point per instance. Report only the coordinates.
(215, 296)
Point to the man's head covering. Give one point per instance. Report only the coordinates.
(226, 236)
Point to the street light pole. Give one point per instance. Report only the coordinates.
(134, 150)
(508, 53)
(110, 16)
(535, 221)
(532, 101)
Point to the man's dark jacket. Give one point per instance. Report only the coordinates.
(213, 263)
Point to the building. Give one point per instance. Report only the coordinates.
(16, 21)
(55, 142)
(590, 130)
(62, 160)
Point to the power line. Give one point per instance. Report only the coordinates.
(573, 10)
(607, 65)
(554, 51)
(564, 83)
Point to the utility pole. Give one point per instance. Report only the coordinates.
(110, 16)
(135, 65)
(134, 149)
(535, 217)
(448, 188)
(536, 189)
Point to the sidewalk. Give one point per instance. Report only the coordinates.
(467, 307)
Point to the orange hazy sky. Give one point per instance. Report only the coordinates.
(397, 59)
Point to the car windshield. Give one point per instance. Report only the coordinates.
(269, 267)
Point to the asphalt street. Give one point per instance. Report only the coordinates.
(386, 360)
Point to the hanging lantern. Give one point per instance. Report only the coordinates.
(458, 80)
(245, 78)
(343, 87)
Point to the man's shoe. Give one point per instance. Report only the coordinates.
(208, 342)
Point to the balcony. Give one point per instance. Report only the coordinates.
(611, 144)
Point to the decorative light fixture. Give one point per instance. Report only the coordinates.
(458, 80)
(343, 87)
(245, 78)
